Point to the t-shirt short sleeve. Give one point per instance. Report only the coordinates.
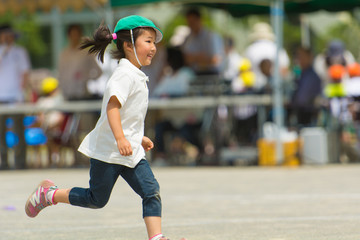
(119, 86)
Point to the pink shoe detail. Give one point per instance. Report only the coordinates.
(38, 200)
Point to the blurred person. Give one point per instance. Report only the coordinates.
(52, 121)
(334, 91)
(231, 63)
(308, 88)
(203, 49)
(266, 68)
(350, 134)
(14, 77)
(176, 83)
(117, 145)
(262, 47)
(335, 53)
(76, 67)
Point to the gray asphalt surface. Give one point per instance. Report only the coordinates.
(247, 203)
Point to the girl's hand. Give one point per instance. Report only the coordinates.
(147, 143)
(124, 147)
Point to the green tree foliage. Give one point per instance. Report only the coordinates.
(29, 33)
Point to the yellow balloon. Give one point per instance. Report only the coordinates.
(49, 84)
(245, 65)
(248, 78)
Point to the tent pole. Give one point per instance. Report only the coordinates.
(57, 35)
(277, 15)
(305, 31)
(108, 15)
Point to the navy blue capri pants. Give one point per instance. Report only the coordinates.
(102, 180)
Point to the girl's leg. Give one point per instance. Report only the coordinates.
(142, 181)
(102, 180)
(62, 196)
(153, 226)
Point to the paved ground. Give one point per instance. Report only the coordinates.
(247, 203)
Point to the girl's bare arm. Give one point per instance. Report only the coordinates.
(114, 119)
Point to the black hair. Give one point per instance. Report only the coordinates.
(193, 11)
(5, 27)
(175, 58)
(306, 50)
(74, 26)
(102, 37)
(229, 41)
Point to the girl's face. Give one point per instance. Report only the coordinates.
(145, 48)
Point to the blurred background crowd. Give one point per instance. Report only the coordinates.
(205, 52)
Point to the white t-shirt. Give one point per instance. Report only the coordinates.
(176, 84)
(14, 62)
(128, 85)
(207, 43)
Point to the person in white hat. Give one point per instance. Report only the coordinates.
(116, 146)
(263, 47)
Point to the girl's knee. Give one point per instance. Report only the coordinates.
(97, 201)
(152, 205)
(97, 204)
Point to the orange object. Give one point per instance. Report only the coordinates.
(267, 153)
(354, 69)
(336, 72)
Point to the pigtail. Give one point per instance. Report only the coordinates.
(100, 40)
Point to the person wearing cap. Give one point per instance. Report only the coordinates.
(52, 121)
(14, 76)
(335, 53)
(116, 146)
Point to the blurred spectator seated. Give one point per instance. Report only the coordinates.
(350, 151)
(263, 47)
(204, 52)
(52, 121)
(177, 81)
